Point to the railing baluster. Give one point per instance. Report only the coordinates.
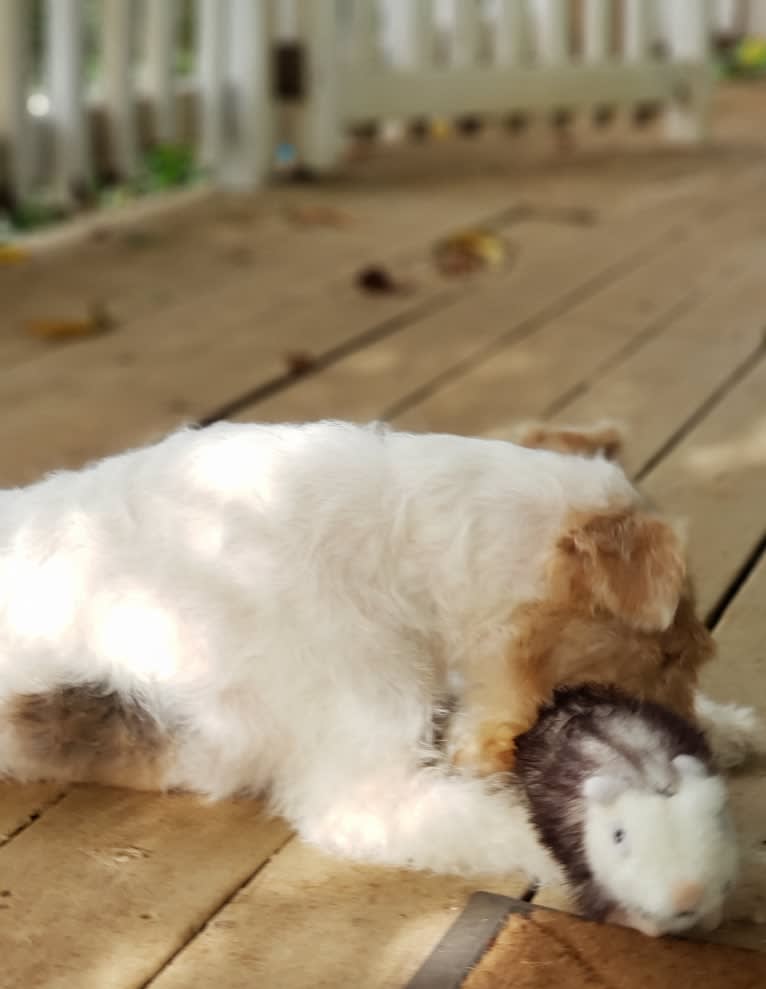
(466, 27)
(364, 40)
(412, 32)
(636, 30)
(118, 84)
(212, 32)
(597, 23)
(15, 158)
(71, 159)
(251, 153)
(159, 77)
(319, 137)
(512, 32)
(756, 17)
(688, 30)
(553, 30)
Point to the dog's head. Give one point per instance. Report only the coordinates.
(620, 609)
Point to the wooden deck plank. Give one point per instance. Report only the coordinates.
(739, 300)
(161, 276)
(530, 374)
(106, 886)
(301, 904)
(87, 399)
(323, 923)
(716, 479)
(83, 402)
(536, 376)
(684, 366)
(739, 676)
(19, 805)
(223, 246)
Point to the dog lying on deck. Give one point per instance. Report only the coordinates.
(283, 609)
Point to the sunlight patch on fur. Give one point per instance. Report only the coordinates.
(131, 629)
(40, 597)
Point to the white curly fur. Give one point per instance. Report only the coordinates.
(291, 603)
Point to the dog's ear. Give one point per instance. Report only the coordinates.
(632, 565)
(601, 440)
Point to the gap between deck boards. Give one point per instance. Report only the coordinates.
(400, 322)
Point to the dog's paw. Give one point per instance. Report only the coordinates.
(489, 750)
(734, 733)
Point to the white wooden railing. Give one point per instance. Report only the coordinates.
(71, 113)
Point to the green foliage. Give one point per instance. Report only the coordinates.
(745, 60)
(32, 214)
(167, 166)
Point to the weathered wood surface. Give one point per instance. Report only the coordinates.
(652, 313)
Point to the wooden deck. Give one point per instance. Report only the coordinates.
(636, 289)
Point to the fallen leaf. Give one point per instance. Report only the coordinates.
(377, 280)
(469, 251)
(139, 239)
(299, 362)
(99, 320)
(441, 129)
(318, 216)
(11, 254)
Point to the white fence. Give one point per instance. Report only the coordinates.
(87, 85)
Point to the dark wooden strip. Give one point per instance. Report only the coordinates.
(466, 941)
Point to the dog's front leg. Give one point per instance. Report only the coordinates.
(499, 701)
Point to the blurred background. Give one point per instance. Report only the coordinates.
(451, 215)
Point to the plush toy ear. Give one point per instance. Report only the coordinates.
(633, 565)
(603, 789)
(690, 768)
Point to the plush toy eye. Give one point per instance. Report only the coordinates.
(618, 836)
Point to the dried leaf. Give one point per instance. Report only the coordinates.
(377, 280)
(468, 251)
(318, 215)
(299, 362)
(98, 321)
(11, 254)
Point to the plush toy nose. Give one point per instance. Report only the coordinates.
(687, 897)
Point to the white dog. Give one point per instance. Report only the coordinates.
(284, 609)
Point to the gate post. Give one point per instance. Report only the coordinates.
(687, 28)
(319, 134)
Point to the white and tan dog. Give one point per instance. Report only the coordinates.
(283, 609)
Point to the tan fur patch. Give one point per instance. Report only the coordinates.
(618, 609)
(628, 562)
(602, 440)
(570, 645)
(80, 734)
